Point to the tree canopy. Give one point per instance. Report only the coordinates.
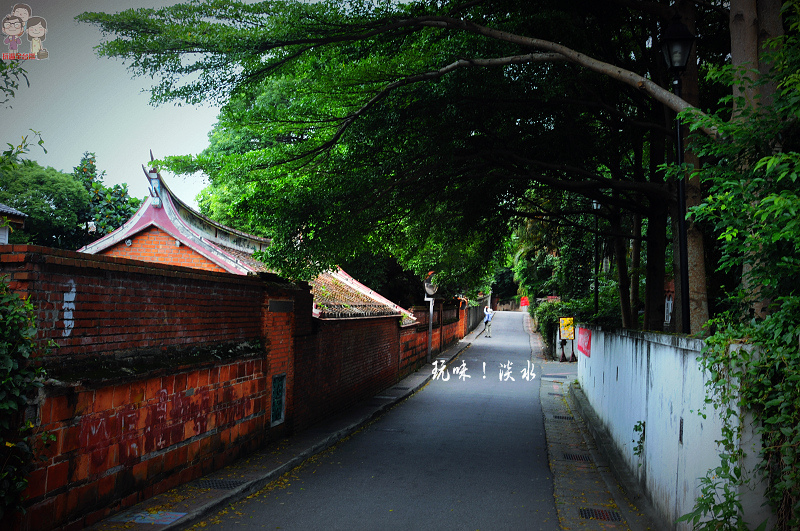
(64, 210)
(53, 201)
(427, 129)
(434, 129)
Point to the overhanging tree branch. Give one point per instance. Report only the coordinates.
(426, 76)
(632, 79)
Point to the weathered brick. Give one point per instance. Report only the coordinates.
(57, 476)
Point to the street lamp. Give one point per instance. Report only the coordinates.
(676, 46)
(596, 207)
(430, 291)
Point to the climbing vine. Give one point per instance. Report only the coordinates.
(638, 444)
(753, 356)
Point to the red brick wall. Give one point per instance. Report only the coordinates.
(120, 444)
(155, 245)
(92, 305)
(348, 360)
(279, 332)
(209, 345)
(413, 348)
(344, 362)
(171, 375)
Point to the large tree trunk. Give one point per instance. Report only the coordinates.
(656, 238)
(752, 22)
(636, 264)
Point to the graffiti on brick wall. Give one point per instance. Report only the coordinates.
(236, 408)
(94, 437)
(129, 447)
(170, 420)
(167, 419)
(101, 431)
(69, 307)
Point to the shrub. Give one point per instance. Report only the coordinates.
(19, 378)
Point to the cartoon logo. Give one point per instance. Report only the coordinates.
(22, 22)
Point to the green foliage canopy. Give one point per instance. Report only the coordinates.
(53, 201)
(64, 211)
(413, 128)
(109, 207)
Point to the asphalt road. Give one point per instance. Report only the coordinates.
(466, 452)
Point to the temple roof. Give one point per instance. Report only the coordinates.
(336, 294)
(11, 212)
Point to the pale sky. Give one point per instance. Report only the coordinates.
(80, 103)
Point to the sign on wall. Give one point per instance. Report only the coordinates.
(585, 341)
(566, 327)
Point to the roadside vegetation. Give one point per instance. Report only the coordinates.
(468, 137)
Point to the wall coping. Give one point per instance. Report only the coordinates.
(396, 316)
(671, 340)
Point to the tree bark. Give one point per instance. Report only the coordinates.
(752, 23)
(744, 48)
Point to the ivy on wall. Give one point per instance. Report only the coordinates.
(19, 380)
(753, 205)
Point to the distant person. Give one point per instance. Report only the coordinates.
(487, 320)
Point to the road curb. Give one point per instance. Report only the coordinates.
(631, 499)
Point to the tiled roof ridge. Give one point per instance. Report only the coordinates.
(336, 294)
(5, 209)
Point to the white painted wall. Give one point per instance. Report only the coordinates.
(656, 378)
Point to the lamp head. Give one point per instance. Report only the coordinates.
(676, 45)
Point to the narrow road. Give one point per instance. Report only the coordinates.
(466, 452)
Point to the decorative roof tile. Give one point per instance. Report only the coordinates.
(336, 294)
(5, 209)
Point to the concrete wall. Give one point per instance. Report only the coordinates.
(164, 373)
(656, 378)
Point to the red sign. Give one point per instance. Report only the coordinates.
(523, 301)
(585, 341)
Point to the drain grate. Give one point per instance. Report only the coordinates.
(578, 457)
(563, 417)
(600, 514)
(555, 394)
(219, 484)
(401, 388)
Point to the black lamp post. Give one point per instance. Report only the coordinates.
(430, 291)
(596, 207)
(676, 46)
